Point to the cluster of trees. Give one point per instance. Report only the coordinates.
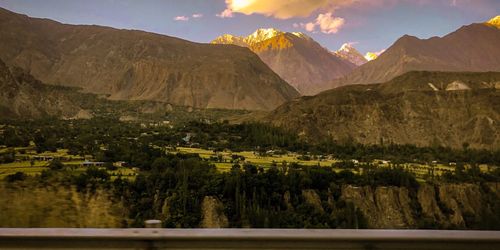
(262, 137)
(471, 174)
(108, 139)
(174, 188)
(8, 156)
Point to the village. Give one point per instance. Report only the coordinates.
(30, 162)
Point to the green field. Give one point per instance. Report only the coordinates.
(39, 166)
(420, 170)
(223, 163)
(251, 157)
(35, 167)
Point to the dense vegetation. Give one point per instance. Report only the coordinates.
(172, 187)
(107, 139)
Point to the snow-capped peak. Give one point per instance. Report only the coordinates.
(254, 38)
(495, 22)
(370, 56)
(349, 53)
(229, 39)
(347, 47)
(262, 35)
(301, 35)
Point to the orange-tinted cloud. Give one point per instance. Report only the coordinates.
(282, 9)
(227, 13)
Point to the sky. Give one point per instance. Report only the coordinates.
(370, 25)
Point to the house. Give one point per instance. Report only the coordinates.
(120, 164)
(187, 138)
(43, 158)
(92, 164)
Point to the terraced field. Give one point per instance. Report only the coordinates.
(225, 163)
(251, 157)
(29, 166)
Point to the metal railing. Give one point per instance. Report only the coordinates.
(152, 238)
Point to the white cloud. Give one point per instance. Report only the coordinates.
(326, 23)
(197, 15)
(227, 13)
(181, 18)
(329, 24)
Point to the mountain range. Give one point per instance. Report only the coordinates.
(422, 108)
(419, 92)
(437, 91)
(296, 57)
(136, 65)
(470, 48)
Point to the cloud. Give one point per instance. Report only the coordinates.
(186, 18)
(285, 9)
(326, 23)
(282, 9)
(310, 27)
(227, 13)
(181, 18)
(329, 24)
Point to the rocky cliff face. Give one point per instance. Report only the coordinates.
(427, 199)
(422, 108)
(383, 207)
(463, 200)
(213, 213)
(441, 206)
(136, 65)
(312, 198)
(58, 207)
(23, 95)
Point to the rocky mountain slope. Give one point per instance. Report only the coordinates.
(440, 206)
(136, 65)
(471, 48)
(23, 95)
(297, 58)
(422, 108)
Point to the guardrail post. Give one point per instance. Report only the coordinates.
(152, 224)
